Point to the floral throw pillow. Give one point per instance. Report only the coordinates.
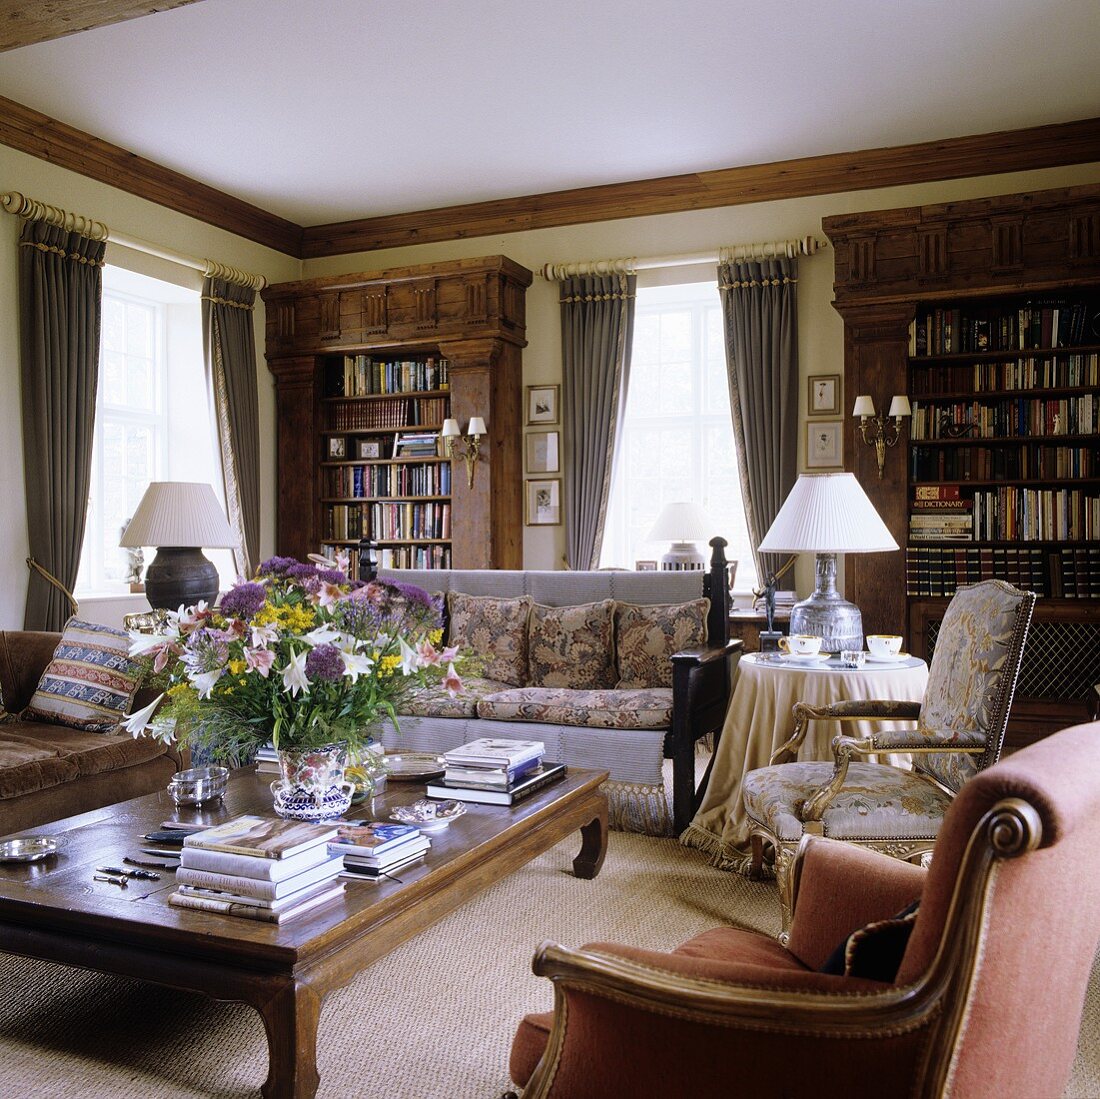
(495, 631)
(647, 636)
(572, 647)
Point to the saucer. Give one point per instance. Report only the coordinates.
(887, 659)
(802, 658)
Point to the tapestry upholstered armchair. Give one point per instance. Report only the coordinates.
(982, 1000)
(960, 727)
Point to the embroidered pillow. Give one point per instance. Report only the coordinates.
(90, 682)
(647, 636)
(495, 630)
(874, 951)
(572, 647)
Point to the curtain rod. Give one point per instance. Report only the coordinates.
(15, 203)
(804, 246)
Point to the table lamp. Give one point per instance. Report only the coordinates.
(826, 514)
(683, 524)
(179, 518)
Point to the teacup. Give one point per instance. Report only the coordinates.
(801, 644)
(884, 645)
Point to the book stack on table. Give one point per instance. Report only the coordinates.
(372, 850)
(258, 868)
(495, 771)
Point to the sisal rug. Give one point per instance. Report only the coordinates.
(432, 1020)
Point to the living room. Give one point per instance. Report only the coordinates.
(771, 189)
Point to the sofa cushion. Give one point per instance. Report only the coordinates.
(630, 709)
(91, 680)
(495, 630)
(435, 701)
(647, 636)
(572, 646)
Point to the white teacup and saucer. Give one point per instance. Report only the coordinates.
(802, 648)
(885, 648)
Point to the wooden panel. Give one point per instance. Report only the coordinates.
(26, 23)
(297, 522)
(951, 158)
(45, 137)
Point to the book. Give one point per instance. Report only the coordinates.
(257, 887)
(492, 777)
(330, 891)
(371, 837)
(495, 752)
(360, 872)
(274, 904)
(395, 854)
(532, 784)
(248, 866)
(261, 837)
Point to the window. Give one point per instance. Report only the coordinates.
(676, 441)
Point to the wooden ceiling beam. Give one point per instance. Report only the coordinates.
(24, 22)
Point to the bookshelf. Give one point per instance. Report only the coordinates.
(367, 367)
(987, 314)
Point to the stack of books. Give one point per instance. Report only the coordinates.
(940, 513)
(495, 771)
(372, 850)
(267, 761)
(258, 868)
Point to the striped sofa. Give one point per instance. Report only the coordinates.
(628, 733)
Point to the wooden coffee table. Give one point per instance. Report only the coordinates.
(54, 910)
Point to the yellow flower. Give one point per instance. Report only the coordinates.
(435, 636)
(388, 665)
(236, 667)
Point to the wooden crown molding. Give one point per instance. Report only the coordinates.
(866, 169)
(26, 23)
(45, 137)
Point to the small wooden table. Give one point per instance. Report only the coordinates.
(55, 911)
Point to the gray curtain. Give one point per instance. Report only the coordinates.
(60, 305)
(229, 349)
(759, 306)
(597, 327)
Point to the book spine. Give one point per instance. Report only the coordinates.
(243, 866)
(227, 908)
(228, 883)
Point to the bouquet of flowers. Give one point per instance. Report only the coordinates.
(300, 656)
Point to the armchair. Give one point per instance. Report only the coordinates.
(987, 1000)
(960, 727)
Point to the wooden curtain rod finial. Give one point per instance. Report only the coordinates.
(31, 209)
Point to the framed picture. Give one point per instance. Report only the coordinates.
(542, 451)
(337, 446)
(542, 404)
(544, 503)
(368, 448)
(645, 566)
(824, 395)
(824, 444)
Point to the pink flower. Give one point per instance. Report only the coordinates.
(259, 660)
(164, 652)
(431, 657)
(451, 681)
(327, 595)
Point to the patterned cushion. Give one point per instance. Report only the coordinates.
(876, 802)
(646, 638)
(572, 646)
(635, 709)
(90, 682)
(495, 630)
(966, 675)
(435, 701)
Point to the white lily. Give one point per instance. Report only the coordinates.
(322, 635)
(410, 658)
(138, 722)
(142, 642)
(294, 675)
(355, 664)
(203, 682)
(262, 636)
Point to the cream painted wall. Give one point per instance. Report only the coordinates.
(821, 334)
(137, 218)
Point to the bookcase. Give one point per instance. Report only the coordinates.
(987, 315)
(367, 367)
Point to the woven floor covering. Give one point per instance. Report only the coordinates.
(433, 1020)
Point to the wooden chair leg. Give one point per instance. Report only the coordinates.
(683, 785)
(756, 868)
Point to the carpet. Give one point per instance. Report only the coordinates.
(432, 1020)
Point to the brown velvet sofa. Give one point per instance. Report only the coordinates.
(52, 771)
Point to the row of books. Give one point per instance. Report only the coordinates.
(1055, 371)
(414, 557)
(417, 444)
(362, 376)
(1069, 572)
(1009, 513)
(360, 482)
(1015, 463)
(1040, 323)
(1009, 417)
(495, 771)
(408, 520)
(395, 412)
(346, 522)
(943, 525)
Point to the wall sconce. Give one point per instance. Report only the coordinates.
(470, 447)
(877, 431)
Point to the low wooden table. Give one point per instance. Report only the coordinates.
(55, 911)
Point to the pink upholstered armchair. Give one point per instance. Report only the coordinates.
(986, 1003)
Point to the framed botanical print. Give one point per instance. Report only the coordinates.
(542, 404)
(824, 395)
(543, 503)
(542, 451)
(824, 444)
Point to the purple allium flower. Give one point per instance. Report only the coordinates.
(416, 596)
(300, 571)
(243, 601)
(325, 662)
(276, 566)
(332, 576)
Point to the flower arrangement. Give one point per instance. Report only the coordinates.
(300, 656)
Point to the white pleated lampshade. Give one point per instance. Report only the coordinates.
(179, 514)
(827, 513)
(681, 522)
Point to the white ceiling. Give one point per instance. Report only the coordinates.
(334, 109)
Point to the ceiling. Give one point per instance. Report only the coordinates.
(338, 109)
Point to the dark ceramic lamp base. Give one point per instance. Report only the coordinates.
(180, 576)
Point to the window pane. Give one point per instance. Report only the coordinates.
(113, 378)
(114, 324)
(139, 383)
(139, 329)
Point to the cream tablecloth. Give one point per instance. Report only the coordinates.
(760, 720)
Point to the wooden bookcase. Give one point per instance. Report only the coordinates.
(372, 359)
(954, 306)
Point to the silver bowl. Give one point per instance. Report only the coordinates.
(198, 785)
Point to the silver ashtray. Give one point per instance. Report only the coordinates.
(198, 785)
(429, 816)
(30, 849)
